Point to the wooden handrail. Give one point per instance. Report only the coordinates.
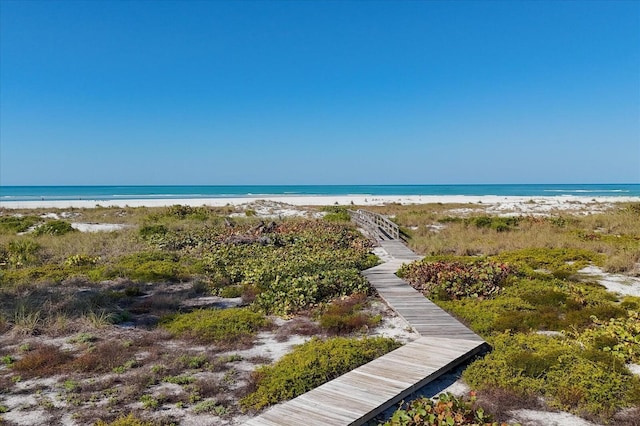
(377, 225)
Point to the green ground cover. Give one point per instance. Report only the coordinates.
(310, 365)
(512, 285)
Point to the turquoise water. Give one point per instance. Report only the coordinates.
(26, 193)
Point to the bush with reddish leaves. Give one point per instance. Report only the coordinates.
(446, 410)
(43, 361)
(454, 280)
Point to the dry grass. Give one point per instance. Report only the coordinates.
(499, 402)
(43, 361)
(300, 326)
(627, 261)
(615, 234)
(104, 357)
(630, 417)
(345, 315)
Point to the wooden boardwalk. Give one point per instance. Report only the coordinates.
(359, 395)
(423, 315)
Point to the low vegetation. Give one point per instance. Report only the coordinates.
(149, 320)
(453, 280)
(337, 214)
(220, 326)
(310, 365)
(511, 280)
(445, 410)
(346, 315)
(176, 275)
(587, 381)
(54, 227)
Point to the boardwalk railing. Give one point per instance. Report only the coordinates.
(379, 226)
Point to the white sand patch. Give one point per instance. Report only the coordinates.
(36, 383)
(436, 227)
(98, 227)
(391, 325)
(212, 301)
(268, 346)
(50, 216)
(63, 215)
(546, 418)
(28, 417)
(15, 402)
(617, 283)
(274, 209)
(189, 419)
(449, 382)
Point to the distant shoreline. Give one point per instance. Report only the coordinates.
(557, 201)
(106, 195)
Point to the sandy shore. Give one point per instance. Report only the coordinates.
(506, 202)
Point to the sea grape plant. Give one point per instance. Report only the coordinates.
(454, 280)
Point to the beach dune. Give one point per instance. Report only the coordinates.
(502, 203)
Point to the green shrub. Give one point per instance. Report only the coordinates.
(81, 260)
(541, 304)
(500, 224)
(619, 337)
(336, 214)
(310, 365)
(15, 224)
(557, 260)
(148, 267)
(152, 231)
(483, 316)
(231, 291)
(304, 263)
(129, 420)
(581, 385)
(193, 362)
(22, 252)
(446, 410)
(179, 380)
(291, 294)
(33, 274)
(230, 326)
(567, 374)
(210, 406)
(7, 360)
(345, 315)
(149, 402)
(54, 227)
(188, 212)
(456, 280)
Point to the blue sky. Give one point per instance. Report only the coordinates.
(311, 92)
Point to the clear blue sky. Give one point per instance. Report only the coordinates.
(213, 92)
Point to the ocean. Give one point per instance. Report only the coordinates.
(105, 193)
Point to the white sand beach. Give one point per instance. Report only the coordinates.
(499, 204)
